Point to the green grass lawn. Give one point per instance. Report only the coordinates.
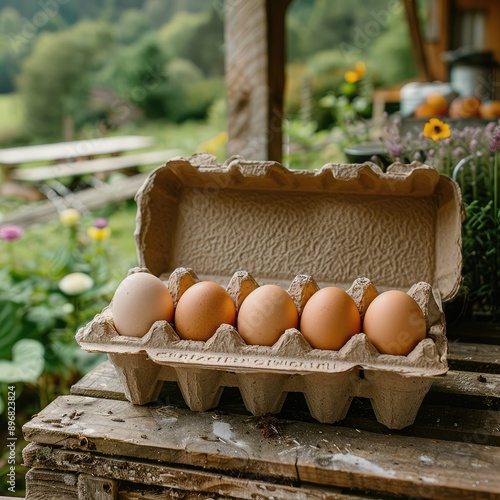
(11, 116)
(187, 138)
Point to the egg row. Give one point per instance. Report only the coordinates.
(393, 322)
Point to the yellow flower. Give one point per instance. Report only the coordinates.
(436, 129)
(70, 217)
(352, 76)
(356, 74)
(212, 145)
(99, 233)
(360, 68)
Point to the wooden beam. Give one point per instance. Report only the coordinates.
(417, 41)
(255, 77)
(276, 41)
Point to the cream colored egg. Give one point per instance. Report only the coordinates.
(329, 319)
(139, 301)
(394, 323)
(202, 308)
(265, 314)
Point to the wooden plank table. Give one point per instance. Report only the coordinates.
(92, 167)
(95, 444)
(72, 149)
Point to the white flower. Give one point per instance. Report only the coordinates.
(76, 283)
(68, 308)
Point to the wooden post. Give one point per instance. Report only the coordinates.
(255, 77)
(416, 41)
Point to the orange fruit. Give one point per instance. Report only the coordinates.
(424, 110)
(490, 109)
(438, 103)
(465, 107)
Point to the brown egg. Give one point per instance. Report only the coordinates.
(265, 314)
(139, 301)
(202, 308)
(394, 323)
(329, 319)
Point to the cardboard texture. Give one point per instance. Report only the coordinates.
(243, 224)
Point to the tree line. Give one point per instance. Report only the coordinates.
(166, 59)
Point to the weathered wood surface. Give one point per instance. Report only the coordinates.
(97, 488)
(89, 199)
(166, 476)
(88, 167)
(301, 452)
(92, 146)
(255, 79)
(474, 357)
(44, 484)
(451, 388)
(451, 451)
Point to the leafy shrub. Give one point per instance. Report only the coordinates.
(45, 299)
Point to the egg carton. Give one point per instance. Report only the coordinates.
(329, 380)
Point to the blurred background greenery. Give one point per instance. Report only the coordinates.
(127, 63)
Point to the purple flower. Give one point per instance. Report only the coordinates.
(458, 153)
(490, 127)
(101, 223)
(473, 145)
(395, 149)
(495, 141)
(9, 232)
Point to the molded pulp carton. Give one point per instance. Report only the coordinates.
(244, 224)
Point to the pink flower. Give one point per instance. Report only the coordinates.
(101, 223)
(495, 142)
(9, 232)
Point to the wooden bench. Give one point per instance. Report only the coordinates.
(47, 181)
(77, 169)
(93, 440)
(84, 200)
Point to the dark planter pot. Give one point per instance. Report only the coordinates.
(359, 153)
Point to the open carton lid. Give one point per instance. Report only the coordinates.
(335, 224)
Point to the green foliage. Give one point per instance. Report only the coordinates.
(390, 56)
(481, 247)
(39, 316)
(198, 37)
(138, 76)
(56, 76)
(468, 156)
(131, 26)
(27, 362)
(10, 59)
(193, 99)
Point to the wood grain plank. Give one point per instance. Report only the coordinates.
(442, 415)
(474, 357)
(170, 477)
(51, 485)
(303, 451)
(122, 189)
(439, 422)
(96, 488)
(103, 382)
(96, 166)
